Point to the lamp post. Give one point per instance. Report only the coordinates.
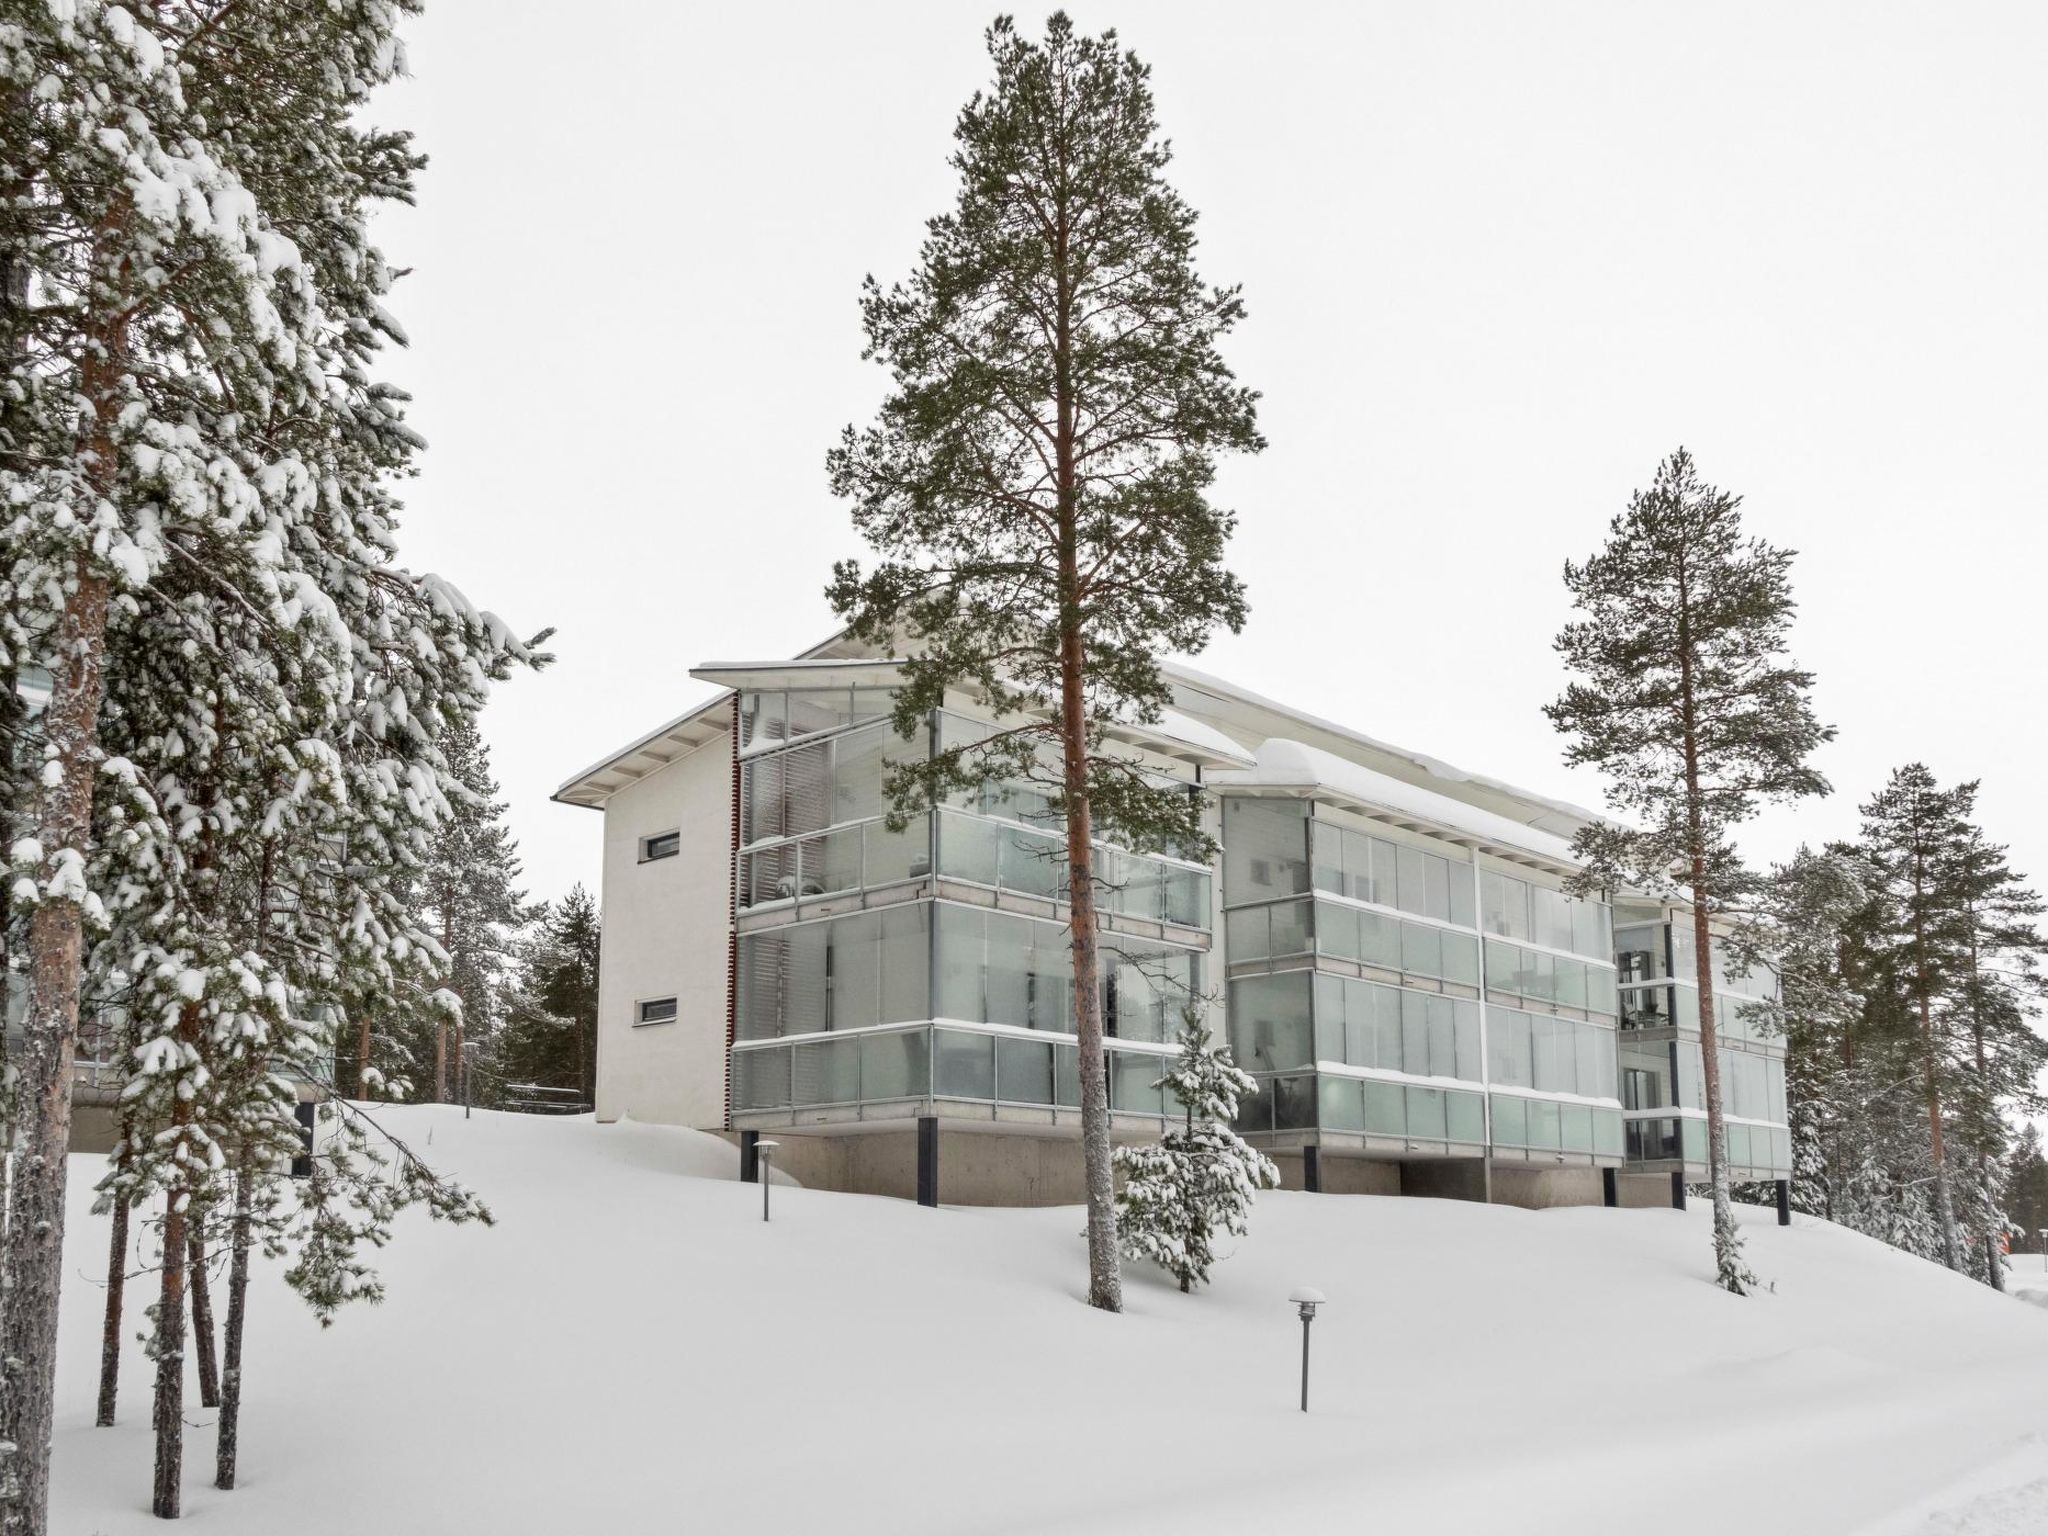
(1307, 1298)
(765, 1150)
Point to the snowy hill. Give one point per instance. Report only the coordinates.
(631, 1349)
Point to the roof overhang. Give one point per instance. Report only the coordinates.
(821, 672)
(650, 754)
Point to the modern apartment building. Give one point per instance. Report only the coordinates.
(1383, 939)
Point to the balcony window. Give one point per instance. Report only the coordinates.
(1265, 848)
(1270, 1022)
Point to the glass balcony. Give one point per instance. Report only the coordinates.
(905, 1069)
(861, 856)
(1009, 857)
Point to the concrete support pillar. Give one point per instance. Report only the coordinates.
(1784, 1202)
(1610, 1187)
(928, 1160)
(1312, 1170)
(1678, 1189)
(750, 1157)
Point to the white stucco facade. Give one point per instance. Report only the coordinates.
(666, 922)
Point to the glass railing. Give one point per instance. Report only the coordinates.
(1542, 977)
(1303, 927)
(928, 1062)
(858, 856)
(1009, 857)
(1664, 1006)
(1546, 1125)
(1395, 944)
(1363, 1106)
(1754, 1148)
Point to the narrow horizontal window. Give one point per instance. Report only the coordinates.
(663, 845)
(658, 1010)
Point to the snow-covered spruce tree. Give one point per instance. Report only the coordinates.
(1685, 701)
(2000, 1000)
(550, 1030)
(202, 309)
(2026, 1189)
(1200, 1178)
(307, 792)
(1810, 901)
(475, 908)
(1037, 484)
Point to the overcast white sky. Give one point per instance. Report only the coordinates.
(1499, 260)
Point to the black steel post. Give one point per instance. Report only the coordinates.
(1610, 1187)
(1784, 1202)
(928, 1160)
(1306, 1319)
(1678, 1189)
(750, 1156)
(1312, 1169)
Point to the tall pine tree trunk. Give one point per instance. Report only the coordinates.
(202, 1317)
(1105, 1278)
(227, 1442)
(441, 1024)
(110, 1329)
(31, 1270)
(168, 1416)
(1729, 1270)
(1937, 1152)
(363, 1056)
(1986, 1117)
(117, 1286)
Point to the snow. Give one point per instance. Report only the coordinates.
(1188, 731)
(1207, 682)
(632, 1349)
(1284, 764)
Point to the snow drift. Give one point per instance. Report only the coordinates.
(632, 1349)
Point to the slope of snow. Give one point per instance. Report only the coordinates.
(632, 1349)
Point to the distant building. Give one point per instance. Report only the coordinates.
(1424, 1009)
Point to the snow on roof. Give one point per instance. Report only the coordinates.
(1435, 767)
(1292, 765)
(1182, 730)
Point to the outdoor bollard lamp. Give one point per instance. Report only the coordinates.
(1308, 1298)
(764, 1149)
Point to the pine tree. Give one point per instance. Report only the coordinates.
(1915, 841)
(2000, 995)
(475, 909)
(550, 1031)
(1200, 1178)
(1685, 701)
(1037, 484)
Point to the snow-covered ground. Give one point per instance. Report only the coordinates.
(631, 1349)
